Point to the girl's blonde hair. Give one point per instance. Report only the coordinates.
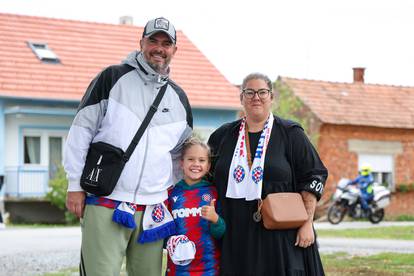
(194, 141)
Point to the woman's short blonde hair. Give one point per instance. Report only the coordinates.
(256, 76)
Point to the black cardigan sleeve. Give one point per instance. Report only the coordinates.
(310, 172)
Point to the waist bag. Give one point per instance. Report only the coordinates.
(105, 162)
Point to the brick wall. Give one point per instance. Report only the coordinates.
(401, 204)
(333, 149)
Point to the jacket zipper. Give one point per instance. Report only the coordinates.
(142, 168)
(145, 156)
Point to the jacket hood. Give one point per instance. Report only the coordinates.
(137, 60)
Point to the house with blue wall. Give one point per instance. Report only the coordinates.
(46, 65)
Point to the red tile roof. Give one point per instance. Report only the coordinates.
(356, 103)
(84, 49)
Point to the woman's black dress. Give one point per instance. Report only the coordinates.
(247, 247)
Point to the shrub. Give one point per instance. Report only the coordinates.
(57, 194)
(405, 187)
(405, 218)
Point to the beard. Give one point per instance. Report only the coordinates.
(161, 68)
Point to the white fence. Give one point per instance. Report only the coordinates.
(26, 182)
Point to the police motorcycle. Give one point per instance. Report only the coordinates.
(346, 200)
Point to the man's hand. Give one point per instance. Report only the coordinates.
(75, 202)
(209, 212)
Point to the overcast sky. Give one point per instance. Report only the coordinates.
(312, 39)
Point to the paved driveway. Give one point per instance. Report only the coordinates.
(363, 246)
(34, 251)
(361, 224)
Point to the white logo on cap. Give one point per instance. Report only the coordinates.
(162, 23)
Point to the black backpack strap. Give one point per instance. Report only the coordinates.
(153, 108)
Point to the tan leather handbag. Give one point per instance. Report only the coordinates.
(283, 211)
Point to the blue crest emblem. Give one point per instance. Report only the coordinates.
(158, 213)
(257, 174)
(239, 174)
(206, 197)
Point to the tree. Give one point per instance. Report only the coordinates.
(288, 106)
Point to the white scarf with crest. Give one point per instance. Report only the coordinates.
(245, 182)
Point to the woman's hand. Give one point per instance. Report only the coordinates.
(209, 212)
(305, 236)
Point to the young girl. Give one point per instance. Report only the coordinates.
(192, 204)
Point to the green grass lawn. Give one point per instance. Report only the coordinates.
(342, 264)
(391, 232)
(384, 264)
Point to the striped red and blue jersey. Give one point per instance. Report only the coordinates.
(185, 202)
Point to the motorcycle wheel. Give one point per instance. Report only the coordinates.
(336, 213)
(377, 216)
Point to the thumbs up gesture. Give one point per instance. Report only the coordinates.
(208, 212)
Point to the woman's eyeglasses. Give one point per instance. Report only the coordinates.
(262, 93)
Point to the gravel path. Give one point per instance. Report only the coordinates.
(35, 251)
(28, 264)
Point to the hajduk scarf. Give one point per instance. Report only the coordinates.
(245, 181)
(157, 222)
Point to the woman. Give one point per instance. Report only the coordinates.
(254, 156)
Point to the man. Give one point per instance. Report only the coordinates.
(365, 181)
(111, 111)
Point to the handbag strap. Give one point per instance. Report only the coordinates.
(153, 108)
(286, 125)
(290, 159)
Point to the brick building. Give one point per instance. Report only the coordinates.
(361, 123)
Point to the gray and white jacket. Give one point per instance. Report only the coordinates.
(112, 110)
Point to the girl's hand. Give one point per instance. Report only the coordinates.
(208, 212)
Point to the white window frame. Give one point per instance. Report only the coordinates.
(43, 52)
(377, 148)
(44, 135)
(40, 150)
(381, 164)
